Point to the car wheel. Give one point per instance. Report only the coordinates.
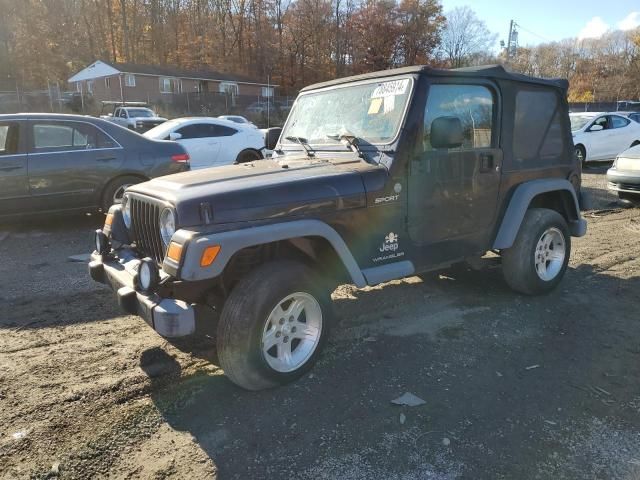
(581, 154)
(538, 258)
(273, 325)
(113, 192)
(630, 199)
(246, 156)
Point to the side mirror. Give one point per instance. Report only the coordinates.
(446, 132)
(596, 128)
(271, 137)
(175, 136)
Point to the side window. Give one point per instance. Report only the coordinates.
(195, 130)
(123, 113)
(8, 138)
(635, 117)
(472, 104)
(116, 113)
(538, 130)
(56, 136)
(618, 122)
(602, 121)
(104, 141)
(221, 131)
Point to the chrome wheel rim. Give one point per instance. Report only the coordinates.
(292, 332)
(549, 255)
(118, 194)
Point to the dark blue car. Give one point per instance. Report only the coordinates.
(51, 163)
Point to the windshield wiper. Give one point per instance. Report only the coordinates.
(350, 140)
(304, 143)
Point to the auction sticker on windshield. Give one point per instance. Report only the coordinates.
(392, 88)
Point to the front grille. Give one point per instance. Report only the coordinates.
(145, 224)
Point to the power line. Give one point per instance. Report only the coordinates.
(533, 33)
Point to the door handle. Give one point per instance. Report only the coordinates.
(105, 159)
(486, 162)
(10, 168)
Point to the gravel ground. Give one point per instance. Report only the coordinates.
(515, 387)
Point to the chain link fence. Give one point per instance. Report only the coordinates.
(264, 112)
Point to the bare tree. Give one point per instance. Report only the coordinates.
(465, 36)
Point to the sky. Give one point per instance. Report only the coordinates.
(551, 20)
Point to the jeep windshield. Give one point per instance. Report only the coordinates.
(371, 111)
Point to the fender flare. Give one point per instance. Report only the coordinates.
(235, 240)
(520, 201)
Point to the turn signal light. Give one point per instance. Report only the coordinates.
(180, 158)
(174, 252)
(108, 220)
(209, 255)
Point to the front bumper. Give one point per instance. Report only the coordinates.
(623, 181)
(169, 317)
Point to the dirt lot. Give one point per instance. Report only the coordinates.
(515, 387)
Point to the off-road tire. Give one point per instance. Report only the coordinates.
(245, 313)
(248, 155)
(518, 261)
(113, 186)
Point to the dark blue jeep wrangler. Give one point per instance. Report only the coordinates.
(374, 178)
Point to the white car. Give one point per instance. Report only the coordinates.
(211, 142)
(602, 136)
(238, 119)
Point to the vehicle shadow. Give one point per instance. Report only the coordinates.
(52, 223)
(508, 368)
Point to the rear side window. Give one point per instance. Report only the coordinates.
(538, 136)
(8, 138)
(619, 122)
(57, 136)
(472, 104)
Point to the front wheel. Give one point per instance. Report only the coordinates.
(247, 156)
(273, 325)
(538, 259)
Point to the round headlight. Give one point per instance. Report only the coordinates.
(126, 211)
(148, 277)
(167, 225)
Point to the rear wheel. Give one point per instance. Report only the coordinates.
(113, 192)
(248, 156)
(538, 259)
(273, 325)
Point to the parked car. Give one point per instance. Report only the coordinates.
(375, 177)
(238, 119)
(602, 136)
(258, 108)
(132, 115)
(635, 116)
(624, 175)
(53, 162)
(212, 142)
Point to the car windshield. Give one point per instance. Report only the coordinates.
(141, 112)
(579, 121)
(371, 111)
(162, 131)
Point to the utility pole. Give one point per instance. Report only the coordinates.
(512, 42)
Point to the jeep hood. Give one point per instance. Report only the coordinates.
(264, 189)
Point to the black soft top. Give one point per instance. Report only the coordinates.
(486, 71)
